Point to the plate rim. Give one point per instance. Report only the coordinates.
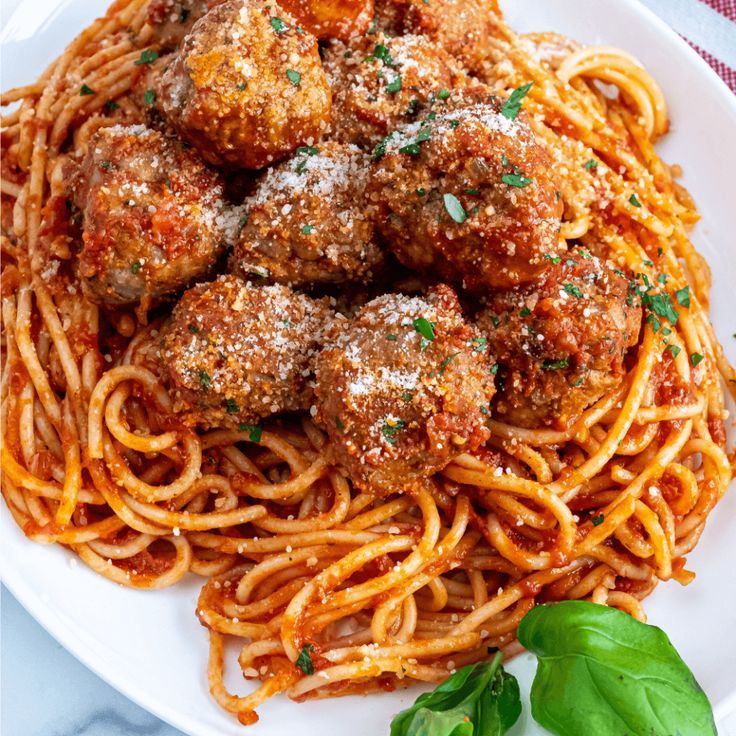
(32, 600)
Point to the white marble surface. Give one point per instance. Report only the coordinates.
(45, 691)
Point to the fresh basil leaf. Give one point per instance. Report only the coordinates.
(478, 700)
(602, 672)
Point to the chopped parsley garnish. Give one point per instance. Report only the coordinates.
(695, 358)
(254, 431)
(634, 200)
(661, 305)
(443, 94)
(307, 229)
(308, 150)
(84, 90)
(412, 149)
(149, 97)
(148, 56)
(411, 108)
(183, 15)
(647, 262)
(424, 327)
(454, 208)
(579, 382)
(516, 180)
(420, 191)
(556, 365)
(394, 85)
(390, 428)
(193, 328)
(584, 253)
(339, 424)
(674, 349)
(380, 148)
(391, 338)
(494, 369)
(231, 406)
(382, 53)
(447, 362)
(525, 311)
(278, 25)
(135, 267)
(304, 660)
(598, 519)
(662, 278)
(204, 379)
(572, 290)
(654, 322)
(407, 396)
(105, 164)
(554, 259)
(571, 262)
(683, 297)
(111, 106)
(294, 77)
(479, 344)
(241, 86)
(423, 135)
(472, 192)
(592, 164)
(512, 106)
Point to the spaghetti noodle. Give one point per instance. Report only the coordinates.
(374, 592)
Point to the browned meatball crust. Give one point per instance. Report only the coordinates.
(463, 28)
(247, 86)
(379, 82)
(331, 18)
(154, 217)
(307, 222)
(402, 389)
(560, 342)
(469, 195)
(235, 352)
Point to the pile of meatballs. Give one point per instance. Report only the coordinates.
(354, 225)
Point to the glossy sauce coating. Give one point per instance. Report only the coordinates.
(154, 216)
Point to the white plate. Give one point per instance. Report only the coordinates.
(149, 645)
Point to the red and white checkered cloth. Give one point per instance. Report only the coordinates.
(709, 26)
(726, 8)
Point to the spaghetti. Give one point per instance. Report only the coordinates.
(365, 592)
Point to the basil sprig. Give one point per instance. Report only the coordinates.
(602, 672)
(478, 700)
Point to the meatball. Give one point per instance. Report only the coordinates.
(154, 217)
(307, 222)
(331, 18)
(234, 352)
(469, 195)
(379, 82)
(402, 389)
(463, 28)
(173, 19)
(561, 341)
(247, 86)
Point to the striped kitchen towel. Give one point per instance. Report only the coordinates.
(709, 26)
